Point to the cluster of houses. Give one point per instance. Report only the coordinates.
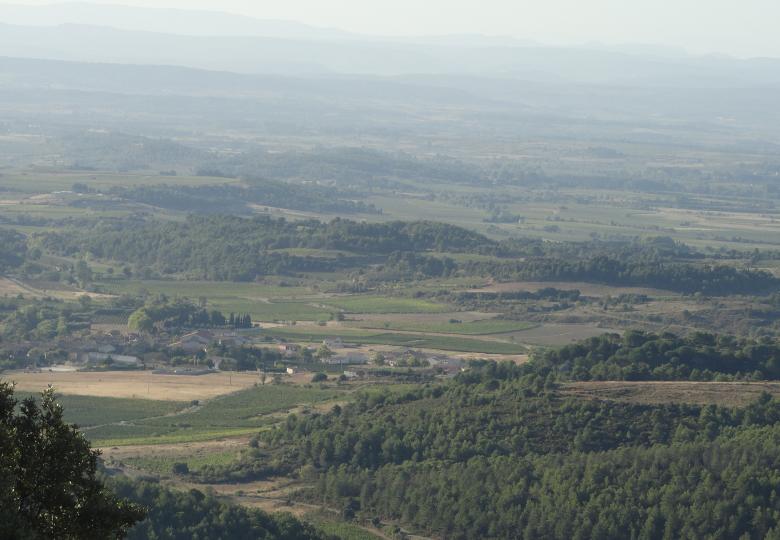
(96, 350)
(293, 350)
(447, 364)
(200, 340)
(103, 350)
(418, 358)
(118, 350)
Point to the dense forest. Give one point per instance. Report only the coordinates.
(687, 490)
(231, 248)
(500, 453)
(13, 249)
(238, 249)
(644, 356)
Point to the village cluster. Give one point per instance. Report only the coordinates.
(207, 350)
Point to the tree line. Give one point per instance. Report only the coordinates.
(182, 515)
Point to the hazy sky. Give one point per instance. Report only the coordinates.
(737, 27)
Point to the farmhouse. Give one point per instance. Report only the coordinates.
(333, 343)
(217, 361)
(194, 342)
(232, 339)
(347, 359)
(289, 349)
(95, 358)
(446, 362)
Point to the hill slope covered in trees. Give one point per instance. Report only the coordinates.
(499, 452)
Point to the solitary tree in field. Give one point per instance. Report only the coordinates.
(140, 321)
(48, 484)
(324, 352)
(377, 358)
(83, 272)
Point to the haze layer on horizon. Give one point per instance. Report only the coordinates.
(744, 29)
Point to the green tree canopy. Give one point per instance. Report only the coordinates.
(48, 484)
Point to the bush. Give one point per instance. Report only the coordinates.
(180, 468)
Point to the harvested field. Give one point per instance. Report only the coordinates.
(134, 384)
(10, 287)
(657, 392)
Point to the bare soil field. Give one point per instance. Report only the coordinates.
(658, 392)
(134, 384)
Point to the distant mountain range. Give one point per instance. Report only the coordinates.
(161, 20)
(225, 42)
